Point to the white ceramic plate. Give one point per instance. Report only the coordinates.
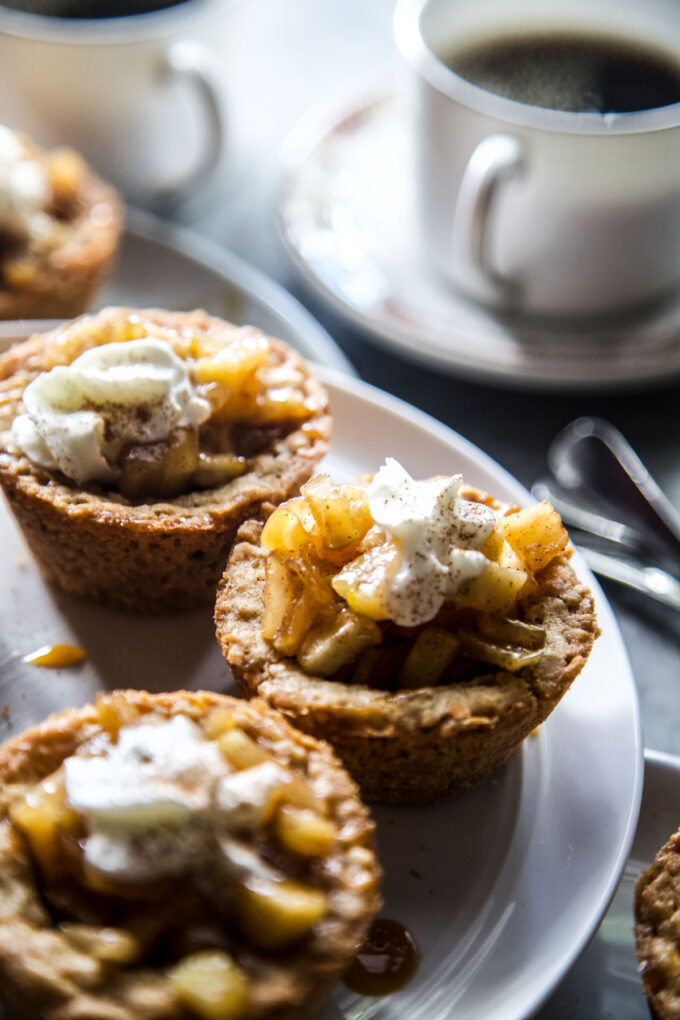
(346, 212)
(605, 982)
(166, 266)
(501, 887)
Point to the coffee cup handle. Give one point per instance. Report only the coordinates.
(191, 62)
(496, 159)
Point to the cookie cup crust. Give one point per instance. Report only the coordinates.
(411, 746)
(165, 556)
(69, 276)
(657, 930)
(41, 968)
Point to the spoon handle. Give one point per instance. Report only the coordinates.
(652, 581)
(592, 454)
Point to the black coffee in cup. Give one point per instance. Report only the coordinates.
(89, 8)
(573, 71)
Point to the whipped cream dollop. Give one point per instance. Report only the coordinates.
(158, 798)
(139, 796)
(438, 536)
(25, 188)
(80, 416)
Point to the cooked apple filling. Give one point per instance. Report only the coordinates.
(394, 584)
(155, 411)
(197, 848)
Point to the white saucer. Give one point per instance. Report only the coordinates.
(344, 215)
(605, 982)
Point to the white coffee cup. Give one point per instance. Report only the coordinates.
(538, 210)
(139, 96)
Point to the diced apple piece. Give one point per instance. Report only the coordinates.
(341, 513)
(505, 657)
(507, 557)
(162, 469)
(114, 712)
(212, 985)
(240, 750)
(335, 522)
(282, 403)
(357, 492)
(536, 533)
(233, 362)
(204, 345)
(290, 527)
(333, 643)
(511, 632)
(296, 622)
(142, 470)
(492, 546)
(276, 915)
(362, 582)
(279, 592)
(120, 329)
(300, 507)
(67, 170)
(216, 469)
(87, 332)
(41, 815)
(316, 575)
(432, 651)
(218, 722)
(292, 599)
(495, 590)
(111, 945)
(303, 831)
(375, 536)
(299, 794)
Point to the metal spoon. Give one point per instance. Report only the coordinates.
(652, 581)
(591, 456)
(648, 580)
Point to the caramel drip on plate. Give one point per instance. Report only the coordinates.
(385, 962)
(54, 656)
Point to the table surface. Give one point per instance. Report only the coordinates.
(278, 59)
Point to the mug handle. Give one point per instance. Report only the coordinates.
(191, 62)
(496, 159)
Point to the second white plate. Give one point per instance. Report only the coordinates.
(501, 887)
(605, 982)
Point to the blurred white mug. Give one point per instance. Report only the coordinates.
(532, 209)
(139, 96)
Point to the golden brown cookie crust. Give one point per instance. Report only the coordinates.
(657, 930)
(412, 746)
(159, 557)
(41, 969)
(68, 276)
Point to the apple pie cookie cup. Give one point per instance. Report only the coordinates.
(657, 930)
(276, 886)
(52, 265)
(165, 551)
(404, 734)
